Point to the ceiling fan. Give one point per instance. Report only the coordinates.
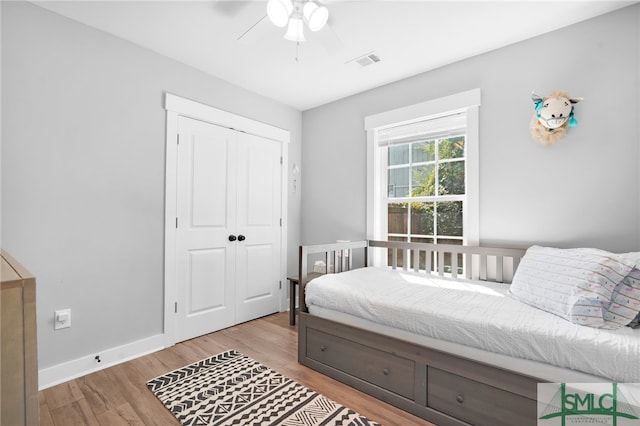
(294, 14)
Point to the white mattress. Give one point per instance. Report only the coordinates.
(478, 315)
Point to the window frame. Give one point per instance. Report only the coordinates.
(377, 189)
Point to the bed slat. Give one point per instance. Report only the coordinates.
(454, 265)
(394, 258)
(499, 269)
(483, 267)
(406, 257)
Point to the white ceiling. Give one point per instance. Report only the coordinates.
(410, 37)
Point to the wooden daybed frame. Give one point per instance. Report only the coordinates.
(441, 387)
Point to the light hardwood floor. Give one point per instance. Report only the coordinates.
(118, 395)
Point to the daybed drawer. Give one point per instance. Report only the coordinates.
(383, 369)
(475, 402)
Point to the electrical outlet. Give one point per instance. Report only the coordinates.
(62, 319)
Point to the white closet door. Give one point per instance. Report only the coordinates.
(259, 174)
(206, 216)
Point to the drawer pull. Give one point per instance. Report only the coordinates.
(385, 371)
(323, 348)
(460, 399)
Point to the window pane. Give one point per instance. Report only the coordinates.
(452, 241)
(397, 216)
(451, 177)
(422, 151)
(398, 154)
(451, 148)
(400, 257)
(423, 180)
(399, 182)
(422, 219)
(450, 218)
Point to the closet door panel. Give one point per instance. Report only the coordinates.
(208, 183)
(258, 215)
(206, 266)
(206, 211)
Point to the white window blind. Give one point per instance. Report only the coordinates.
(432, 128)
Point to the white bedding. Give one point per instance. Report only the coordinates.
(480, 315)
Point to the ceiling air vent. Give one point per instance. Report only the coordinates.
(365, 60)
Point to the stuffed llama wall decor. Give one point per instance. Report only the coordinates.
(554, 114)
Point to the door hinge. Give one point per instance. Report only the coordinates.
(176, 223)
(280, 222)
(175, 307)
(178, 138)
(280, 285)
(281, 160)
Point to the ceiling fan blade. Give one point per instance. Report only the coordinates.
(330, 39)
(229, 8)
(256, 32)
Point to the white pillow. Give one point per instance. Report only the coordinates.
(624, 305)
(574, 284)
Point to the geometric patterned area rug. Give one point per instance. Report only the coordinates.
(233, 389)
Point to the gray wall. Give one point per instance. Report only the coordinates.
(583, 191)
(83, 140)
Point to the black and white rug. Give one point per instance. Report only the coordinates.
(233, 389)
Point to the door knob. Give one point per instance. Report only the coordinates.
(241, 237)
(232, 237)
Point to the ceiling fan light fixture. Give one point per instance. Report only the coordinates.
(295, 30)
(279, 12)
(315, 16)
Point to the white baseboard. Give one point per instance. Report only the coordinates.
(51, 376)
